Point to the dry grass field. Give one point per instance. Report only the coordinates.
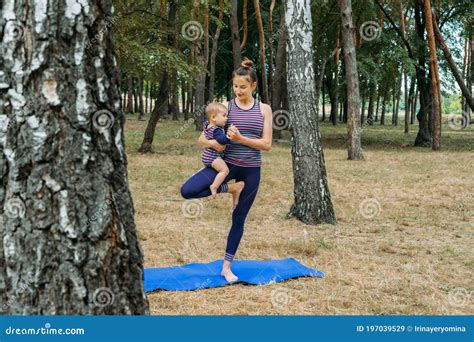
(403, 245)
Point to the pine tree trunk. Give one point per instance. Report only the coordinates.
(146, 96)
(331, 83)
(136, 108)
(183, 100)
(384, 106)
(396, 99)
(370, 110)
(141, 111)
(377, 106)
(68, 240)
(160, 109)
(270, 49)
(467, 95)
(172, 42)
(323, 98)
(352, 84)
(470, 74)
(245, 25)
(434, 77)
(280, 73)
(234, 28)
(312, 198)
(215, 42)
(202, 56)
(174, 105)
(423, 137)
(407, 102)
(129, 95)
(362, 113)
(261, 44)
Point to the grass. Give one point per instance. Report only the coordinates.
(403, 244)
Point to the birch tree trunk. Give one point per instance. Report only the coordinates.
(352, 79)
(68, 241)
(312, 198)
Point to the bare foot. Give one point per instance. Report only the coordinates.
(228, 275)
(213, 190)
(235, 189)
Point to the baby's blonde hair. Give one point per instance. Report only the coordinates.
(214, 108)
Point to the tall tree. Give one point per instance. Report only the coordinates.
(435, 84)
(68, 238)
(202, 56)
(466, 92)
(312, 198)
(235, 36)
(141, 110)
(130, 95)
(261, 44)
(215, 42)
(352, 83)
(245, 25)
(278, 85)
(162, 99)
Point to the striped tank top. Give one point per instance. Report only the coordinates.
(250, 124)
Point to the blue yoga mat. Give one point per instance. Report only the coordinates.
(206, 275)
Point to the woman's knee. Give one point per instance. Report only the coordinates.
(186, 191)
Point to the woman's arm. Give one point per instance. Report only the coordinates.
(203, 142)
(265, 142)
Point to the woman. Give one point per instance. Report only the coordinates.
(249, 127)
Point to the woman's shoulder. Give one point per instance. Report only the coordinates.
(265, 109)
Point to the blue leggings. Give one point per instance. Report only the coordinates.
(198, 186)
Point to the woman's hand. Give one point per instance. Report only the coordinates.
(203, 142)
(233, 133)
(216, 146)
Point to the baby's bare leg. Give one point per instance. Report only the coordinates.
(221, 167)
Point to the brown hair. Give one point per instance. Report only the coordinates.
(246, 69)
(213, 108)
